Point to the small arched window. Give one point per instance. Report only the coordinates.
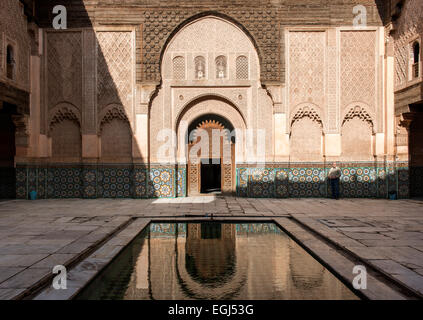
(242, 67)
(179, 68)
(200, 67)
(221, 67)
(416, 59)
(10, 62)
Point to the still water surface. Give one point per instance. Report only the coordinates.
(215, 261)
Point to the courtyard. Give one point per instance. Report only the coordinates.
(180, 150)
(85, 235)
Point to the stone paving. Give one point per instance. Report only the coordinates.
(36, 235)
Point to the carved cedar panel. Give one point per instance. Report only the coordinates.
(358, 69)
(13, 24)
(307, 68)
(193, 181)
(409, 24)
(64, 68)
(114, 70)
(401, 61)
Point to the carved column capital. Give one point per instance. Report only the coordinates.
(21, 123)
(405, 120)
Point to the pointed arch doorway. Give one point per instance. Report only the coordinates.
(211, 155)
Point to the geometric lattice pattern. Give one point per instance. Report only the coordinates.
(307, 66)
(126, 181)
(359, 182)
(14, 25)
(262, 24)
(62, 115)
(123, 181)
(114, 183)
(242, 67)
(64, 66)
(358, 75)
(361, 113)
(306, 112)
(113, 113)
(179, 68)
(114, 70)
(161, 183)
(356, 182)
(401, 61)
(281, 182)
(181, 181)
(408, 26)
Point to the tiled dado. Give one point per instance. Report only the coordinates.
(129, 181)
(357, 181)
(123, 181)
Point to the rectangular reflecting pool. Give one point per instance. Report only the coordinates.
(215, 261)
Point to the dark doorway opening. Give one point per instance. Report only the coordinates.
(211, 177)
(416, 151)
(7, 152)
(211, 230)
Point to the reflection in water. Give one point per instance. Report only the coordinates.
(215, 261)
(210, 253)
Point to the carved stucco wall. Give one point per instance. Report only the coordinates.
(64, 69)
(211, 106)
(307, 66)
(332, 70)
(408, 27)
(211, 37)
(358, 68)
(115, 66)
(14, 31)
(71, 59)
(262, 25)
(312, 61)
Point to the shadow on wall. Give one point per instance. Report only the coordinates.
(79, 109)
(7, 152)
(357, 181)
(90, 100)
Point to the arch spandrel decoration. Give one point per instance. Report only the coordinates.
(233, 113)
(111, 113)
(260, 26)
(204, 107)
(214, 38)
(64, 112)
(306, 111)
(359, 112)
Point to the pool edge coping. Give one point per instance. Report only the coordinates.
(321, 255)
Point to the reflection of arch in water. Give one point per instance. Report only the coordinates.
(213, 241)
(200, 281)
